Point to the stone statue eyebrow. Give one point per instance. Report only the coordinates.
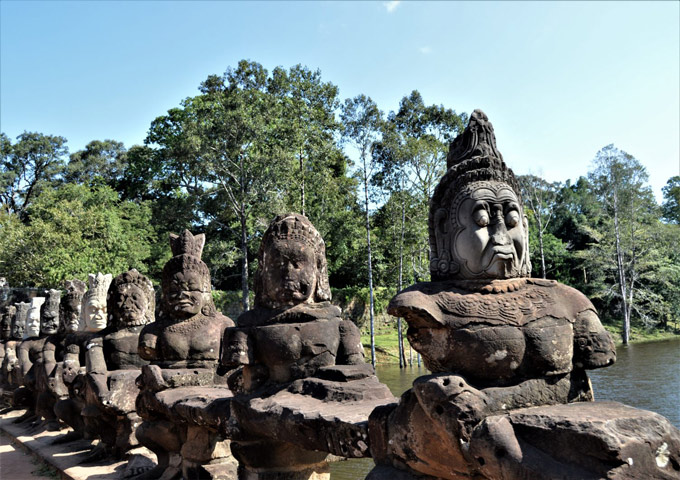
(511, 206)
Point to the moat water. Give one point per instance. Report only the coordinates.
(645, 376)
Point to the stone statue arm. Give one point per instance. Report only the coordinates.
(236, 348)
(71, 364)
(24, 358)
(146, 348)
(96, 369)
(10, 361)
(49, 359)
(593, 345)
(351, 352)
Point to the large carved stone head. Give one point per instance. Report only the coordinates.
(19, 323)
(71, 305)
(131, 300)
(33, 317)
(292, 264)
(8, 314)
(49, 323)
(477, 226)
(93, 312)
(186, 279)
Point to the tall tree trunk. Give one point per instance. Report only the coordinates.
(400, 337)
(621, 272)
(370, 268)
(302, 183)
(244, 260)
(540, 244)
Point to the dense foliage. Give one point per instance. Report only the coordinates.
(255, 143)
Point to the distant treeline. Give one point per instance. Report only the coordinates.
(254, 143)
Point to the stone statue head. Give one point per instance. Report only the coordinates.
(93, 312)
(8, 314)
(186, 279)
(131, 300)
(477, 226)
(49, 323)
(33, 317)
(71, 305)
(19, 323)
(292, 265)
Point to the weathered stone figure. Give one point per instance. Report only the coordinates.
(11, 363)
(496, 340)
(49, 326)
(93, 318)
(183, 347)
(113, 363)
(301, 366)
(8, 314)
(29, 352)
(54, 351)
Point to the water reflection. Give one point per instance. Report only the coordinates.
(644, 376)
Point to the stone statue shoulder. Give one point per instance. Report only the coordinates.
(302, 313)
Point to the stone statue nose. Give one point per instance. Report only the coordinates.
(499, 233)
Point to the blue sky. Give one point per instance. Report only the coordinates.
(559, 80)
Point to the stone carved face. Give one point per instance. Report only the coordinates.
(19, 322)
(130, 303)
(33, 318)
(95, 314)
(71, 305)
(49, 324)
(184, 294)
(492, 235)
(6, 326)
(289, 273)
(72, 316)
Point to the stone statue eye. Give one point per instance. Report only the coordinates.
(481, 217)
(512, 218)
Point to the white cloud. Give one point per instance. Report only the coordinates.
(425, 50)
(391, 6)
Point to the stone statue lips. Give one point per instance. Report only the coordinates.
(499, 253)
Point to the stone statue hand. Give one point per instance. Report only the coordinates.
(70, 371)
(450, 401)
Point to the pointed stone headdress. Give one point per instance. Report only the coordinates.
(98, 287)
(187, 250)
(473, 157)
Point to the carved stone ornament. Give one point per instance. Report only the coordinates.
(71, 304)
(49, 323)
(33, 317)
(93, 311)
(8, 314)
(291, 240)
(477, 225)
(131, 300)
(19, 323)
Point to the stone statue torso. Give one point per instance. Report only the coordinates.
(120, 349)
(192, 342)
(527, 330)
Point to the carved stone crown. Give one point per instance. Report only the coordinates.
(53, 299)
(74, 288)
(294, 227)
(473, 157)
(186, 243)
(133, 277)
(98, 285)
(22, 310)
(187, 250)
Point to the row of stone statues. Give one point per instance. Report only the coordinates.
(285, 389)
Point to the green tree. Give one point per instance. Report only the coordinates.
(71, 231)
(540, 197)
(619, 182)
(34, 162)
(100, 162)
(363, 122)
(671, 203)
